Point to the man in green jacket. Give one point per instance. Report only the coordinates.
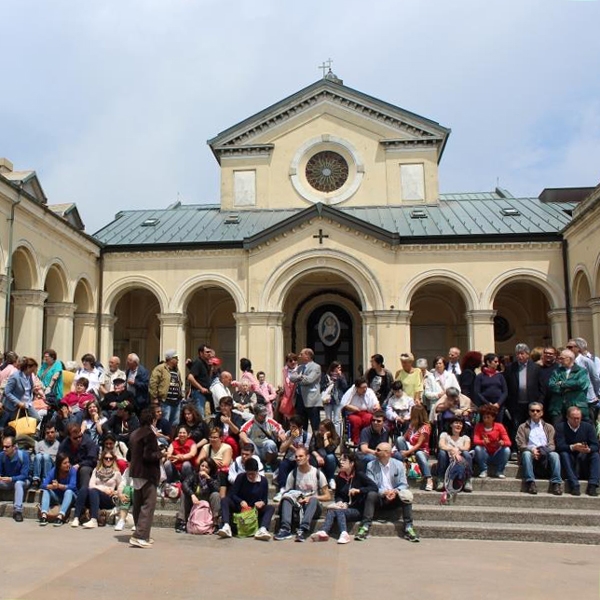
(568, 387)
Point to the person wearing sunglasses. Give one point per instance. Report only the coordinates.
(102, 491)
(535, 441)
(82, 452)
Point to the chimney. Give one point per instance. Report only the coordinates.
(5, 165)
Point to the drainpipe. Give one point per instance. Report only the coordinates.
(99, 306)
(9, 269)
(565, 257)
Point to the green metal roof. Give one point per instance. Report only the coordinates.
(455, 218)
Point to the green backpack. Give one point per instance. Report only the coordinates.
(246, 522)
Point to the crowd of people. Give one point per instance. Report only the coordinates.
(96, 439)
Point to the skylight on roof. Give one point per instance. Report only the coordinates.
(510, 212)
(232, 219)
(418, 213)
(150, 223)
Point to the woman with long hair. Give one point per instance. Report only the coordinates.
(323, 446)
(490, 385)
(416, 442)
(58, 487)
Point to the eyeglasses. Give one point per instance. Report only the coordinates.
(77, 437)
(571, 347)
(535, 410)
(109, 458)
(6, 447)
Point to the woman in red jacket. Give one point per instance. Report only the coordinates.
(492, 444)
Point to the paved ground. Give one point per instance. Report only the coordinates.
(99, 564)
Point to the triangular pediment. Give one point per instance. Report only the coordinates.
(403, 126)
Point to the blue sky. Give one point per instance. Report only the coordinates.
(112, 102)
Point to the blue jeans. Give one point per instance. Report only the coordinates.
(444, 461)
(19, 487)
(199, 401)
(312, 510)
(42, 463)
(328, 468)
(342, 515)
(171, 413)
(286, 466)
(97, 500)
(333, 412)
(52, 498)
(421, 456)
(268, 447)
(576, 464)
(552, 465)
(173, 475)
(497, 460)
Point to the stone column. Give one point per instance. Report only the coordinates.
(383, 332)
(84, 335)
(259, 337)
(107, 337)
(581, 319)
(28, 322)
(59, 328)
(558, 323)
(3, 323)
(481, 330)
(403, 339)
(594, 304)
(172, 336)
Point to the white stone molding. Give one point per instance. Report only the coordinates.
(185, 291)
(29, 297)
(60, 309)
(115, 290)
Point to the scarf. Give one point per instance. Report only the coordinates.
(105, 474)
(489, 371)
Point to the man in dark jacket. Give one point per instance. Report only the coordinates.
(144, 468)
(138, 378)
(524, 387)
(577, 446)
(82, 452)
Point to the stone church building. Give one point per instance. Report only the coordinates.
(330, 232)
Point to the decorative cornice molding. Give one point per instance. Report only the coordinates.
(408, 145)
(83, 319)
(60, 309)
(594, 304)
(482, 317)
(479, 247)
(259, 318)
(108, 320)
(172, 319)
(150, 254)
(29, 297)
(254, 150)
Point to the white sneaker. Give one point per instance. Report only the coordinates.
(344, 538)
(263, 535)
(483, 475)
(133, 528)
(332, 484)
(91, 524)
(120, 525)
(133, 541)
(75, 522)
(501, 476)
(278, 496)
(225, 531)
(319, 536)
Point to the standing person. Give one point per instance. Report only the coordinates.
(50, 375)
(568, 387)
(114, 372)
(18, 393)
(199, 378)
(548, 365)
(166, 387)
(267, 391)
(308, 379)
(379, 379)
(411, 377)
(490, 385)
(471, 361)
(287, 400)
(333, 394)
(454, 361)
(138, 378)
(144, 468)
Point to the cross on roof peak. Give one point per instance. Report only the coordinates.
(326, 67)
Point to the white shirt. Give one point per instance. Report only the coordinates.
(386, 481)
(537, 436)
(368, 402)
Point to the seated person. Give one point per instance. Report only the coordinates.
(397, 409)
(161, 426)
(92, 421)
(82, 453)
(389, 476)
(294, 438)
(370, 437)
(221, 453)
(230, 422)
(199, 485)
(454, 446)
(109, 442)
(250, 490)
(239, 464)
(491, 441)
(78, 398)
(577, 446)
(14, 473)
(61, 420)
(323, 447)
(306, 488)
(452, 404)
(535, 442)
(119, 394)
(190, 418)
(244, 399)
(103, 487)
(359, 403)
(59, 487)
(124, 422)
(351, 488)
(416, 442)
(264, 434)
(179, 457)
(45, 454)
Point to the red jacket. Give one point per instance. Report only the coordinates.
(497, 433)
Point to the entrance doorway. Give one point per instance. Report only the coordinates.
(329, 334)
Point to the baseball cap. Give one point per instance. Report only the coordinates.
(169, 354)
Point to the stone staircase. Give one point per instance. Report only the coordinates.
(497, 509)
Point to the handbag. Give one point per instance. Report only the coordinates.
(246, 522)
(24, 425)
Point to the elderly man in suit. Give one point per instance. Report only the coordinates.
(392, 492)
(308, 379)
(138, 378)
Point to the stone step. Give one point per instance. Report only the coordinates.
(512, 500)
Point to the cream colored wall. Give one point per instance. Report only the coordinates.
(381, 181)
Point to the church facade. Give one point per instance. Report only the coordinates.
(331, 233)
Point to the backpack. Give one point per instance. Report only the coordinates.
(246, 522)
(200, 521)
(456, 474)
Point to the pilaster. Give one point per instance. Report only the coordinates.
(480, 325)
(558, 324)
(107, 337)
(59, 328)
(172, 336)
(28, 322)
(594, 304)
(84, 334)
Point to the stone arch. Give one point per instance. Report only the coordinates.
(282, 280)
(83, 297)
(55, 282)
(444, 277)
(189, 287)
(24, 268)
(581, 312)
(542, 281)
(595, 283)
(581, 286)
(117, 289)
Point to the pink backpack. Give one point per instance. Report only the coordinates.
(200, 521)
